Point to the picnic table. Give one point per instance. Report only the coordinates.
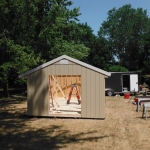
(140, 100)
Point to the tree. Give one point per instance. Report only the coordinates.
(58, 32)
(145, 54)
(100, 54)
(117, 68)
(16, 42)
(21, 59)
(34, 31)
(125, 29)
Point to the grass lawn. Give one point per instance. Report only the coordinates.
(122, 129)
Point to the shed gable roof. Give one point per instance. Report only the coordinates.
(67, 58)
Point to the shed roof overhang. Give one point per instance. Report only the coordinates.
(65, 57)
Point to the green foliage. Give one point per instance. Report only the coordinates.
(127, 30)
(59, 33)
(100, 54)
(78, 51)
(117, 68)
(21, 59)
(32, 32)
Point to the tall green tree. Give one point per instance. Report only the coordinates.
(16, 39)
(125, 29)
(100, 54)
(34, 31)
(57, 35)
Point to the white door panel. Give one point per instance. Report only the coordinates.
(133, 82)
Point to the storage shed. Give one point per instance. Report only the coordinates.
(66, 87)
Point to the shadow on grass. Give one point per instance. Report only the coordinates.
(13, 91)
(50, 138)
(17, 133)
(13, 99)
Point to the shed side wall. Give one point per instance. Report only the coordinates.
(93, 94)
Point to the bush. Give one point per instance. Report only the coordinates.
(117, 68)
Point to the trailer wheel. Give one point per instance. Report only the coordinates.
(109, 93)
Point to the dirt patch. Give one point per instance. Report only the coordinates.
(122, 129)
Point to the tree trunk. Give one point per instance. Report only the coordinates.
(6, 91)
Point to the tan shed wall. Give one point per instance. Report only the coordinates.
(92, 84)
(37, 86)
(93, 94)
